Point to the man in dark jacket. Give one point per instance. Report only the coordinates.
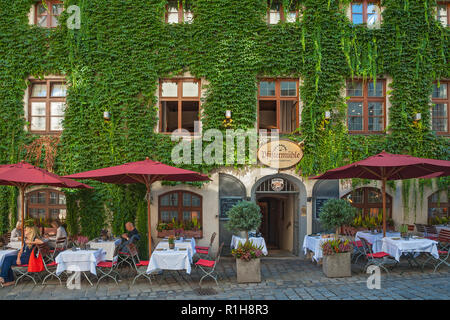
(132, 236)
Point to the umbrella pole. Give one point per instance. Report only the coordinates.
(22, 199)
(383, 190)
(149, 223)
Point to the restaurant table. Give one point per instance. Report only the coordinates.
(79, 260)
(108, 246)
(182, 243)
(170, 259)
(314, 244)
(375, 238)
(411, 248)
(257, 241)
(6, 253)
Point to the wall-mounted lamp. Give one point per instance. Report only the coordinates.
(107, 115)
(327, 115)
(228, 114)
(418, 117)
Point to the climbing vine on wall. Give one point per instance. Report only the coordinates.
(115, 60)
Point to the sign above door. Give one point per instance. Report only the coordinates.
(280, 154)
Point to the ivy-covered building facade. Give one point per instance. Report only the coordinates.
(90, 84)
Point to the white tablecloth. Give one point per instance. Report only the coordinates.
(188, 244)
(108, 246)
(170, 260)
(314, 244)
(6, 253)
(375, 238)
(398, 247)
(257, 241)
(80, 260)
(15, 245)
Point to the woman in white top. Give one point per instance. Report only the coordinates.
(17, 232)
(60, 231)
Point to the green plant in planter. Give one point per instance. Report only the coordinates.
(336, 213)
(244, 216)
(403, 229)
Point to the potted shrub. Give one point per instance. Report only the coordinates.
(335, 214)
(337, 258)
(244, 217)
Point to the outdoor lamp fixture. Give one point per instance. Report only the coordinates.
(107, 115)
(228, 114)
(327, 115)
(418, 117)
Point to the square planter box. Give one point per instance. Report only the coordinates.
(248, 271)
(337, 265)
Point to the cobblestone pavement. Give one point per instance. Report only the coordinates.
(282, 279)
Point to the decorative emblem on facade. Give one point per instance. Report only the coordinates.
(277, 184)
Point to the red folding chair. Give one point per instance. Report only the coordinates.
(443, 250)
(205, 251)
(49, 264)
(139, 265)
(379, 259)
(208, 267)
(108, 268)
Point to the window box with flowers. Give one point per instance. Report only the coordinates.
(188, 229)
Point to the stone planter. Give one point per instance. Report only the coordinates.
(337, 265)
(248, 271)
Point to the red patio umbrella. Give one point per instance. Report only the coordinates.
(146, 172)
(24, 175)
(386, 166)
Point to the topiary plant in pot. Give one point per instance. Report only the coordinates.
(337, 253)
(336, 213)
(246, 216)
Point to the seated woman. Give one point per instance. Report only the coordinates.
(17, 232)
(60, 231)
(31, 239)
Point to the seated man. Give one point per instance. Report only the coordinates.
(131, 237)
(16, 234)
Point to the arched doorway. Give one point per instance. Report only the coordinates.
(282, 199)
(231, 191)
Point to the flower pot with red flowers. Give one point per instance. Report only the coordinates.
(337, 258)
(248, 264)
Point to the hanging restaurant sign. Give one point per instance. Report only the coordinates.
(280, 154)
